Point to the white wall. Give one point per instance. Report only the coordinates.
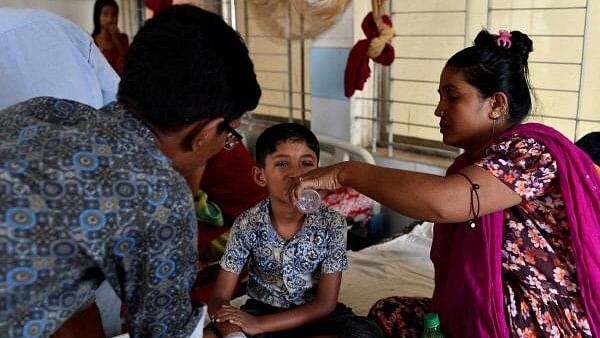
(329, 52)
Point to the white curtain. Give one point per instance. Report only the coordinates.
(297, 19)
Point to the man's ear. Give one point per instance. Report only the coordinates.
(201, 135)
(259, 176)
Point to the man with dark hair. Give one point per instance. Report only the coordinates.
(88, 195)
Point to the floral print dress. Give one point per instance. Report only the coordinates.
(538, 269)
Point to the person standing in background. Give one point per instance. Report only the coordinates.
(106, 34)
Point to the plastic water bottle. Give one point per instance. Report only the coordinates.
(432, 327)
(309, 201)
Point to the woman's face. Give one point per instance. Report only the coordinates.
(464, 114)
(109, 17)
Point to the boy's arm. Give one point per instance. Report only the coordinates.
(233, 260)
(221, 295)
(321, 306)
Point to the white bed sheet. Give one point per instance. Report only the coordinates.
(400, 267)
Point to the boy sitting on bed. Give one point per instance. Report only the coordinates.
(295, 261)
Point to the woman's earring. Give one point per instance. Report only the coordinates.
(495, 114)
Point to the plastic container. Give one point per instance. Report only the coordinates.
(432, 327)
(309, 201)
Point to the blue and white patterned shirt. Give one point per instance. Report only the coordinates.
(85, 194)
(286, 273)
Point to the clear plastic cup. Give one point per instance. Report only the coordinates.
(309, 201)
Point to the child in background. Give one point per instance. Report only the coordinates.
(295, 261)
(112, 43)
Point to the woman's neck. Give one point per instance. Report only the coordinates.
(478, 150)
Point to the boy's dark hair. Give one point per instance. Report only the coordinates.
(186, 65)
(271, 137)
(97, 9)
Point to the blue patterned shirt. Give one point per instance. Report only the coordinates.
(286, 273)
(85, 194)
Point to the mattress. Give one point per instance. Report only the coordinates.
(399, 267)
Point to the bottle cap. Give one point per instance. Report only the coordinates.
(431, 320)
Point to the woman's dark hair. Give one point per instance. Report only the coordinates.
(491, 68)
(271, 137)
(185, 65)
(98, 9)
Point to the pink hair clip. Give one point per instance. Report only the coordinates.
(503, 39)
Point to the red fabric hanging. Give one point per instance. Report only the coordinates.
(357, 68)
(158, 5)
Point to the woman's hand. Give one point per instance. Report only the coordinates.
(248, 323)
(325, 178)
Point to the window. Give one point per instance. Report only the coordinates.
(396, 108)
(404, 96)
(280, 64)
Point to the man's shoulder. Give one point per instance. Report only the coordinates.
(45, 24)
(65, 132)
(11, 18)
(50, 103)
(74, 117)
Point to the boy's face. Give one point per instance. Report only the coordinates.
(291, 159)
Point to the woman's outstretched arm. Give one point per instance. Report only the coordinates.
(417, 195)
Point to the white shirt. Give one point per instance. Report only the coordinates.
(46, 55)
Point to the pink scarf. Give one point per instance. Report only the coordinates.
(468, 284)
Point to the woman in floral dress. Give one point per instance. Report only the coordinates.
(517, 238)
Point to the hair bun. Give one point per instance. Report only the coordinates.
(484, 39)
(521, 44)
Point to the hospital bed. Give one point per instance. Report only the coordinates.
(396, 267)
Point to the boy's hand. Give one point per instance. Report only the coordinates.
(248, 323)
